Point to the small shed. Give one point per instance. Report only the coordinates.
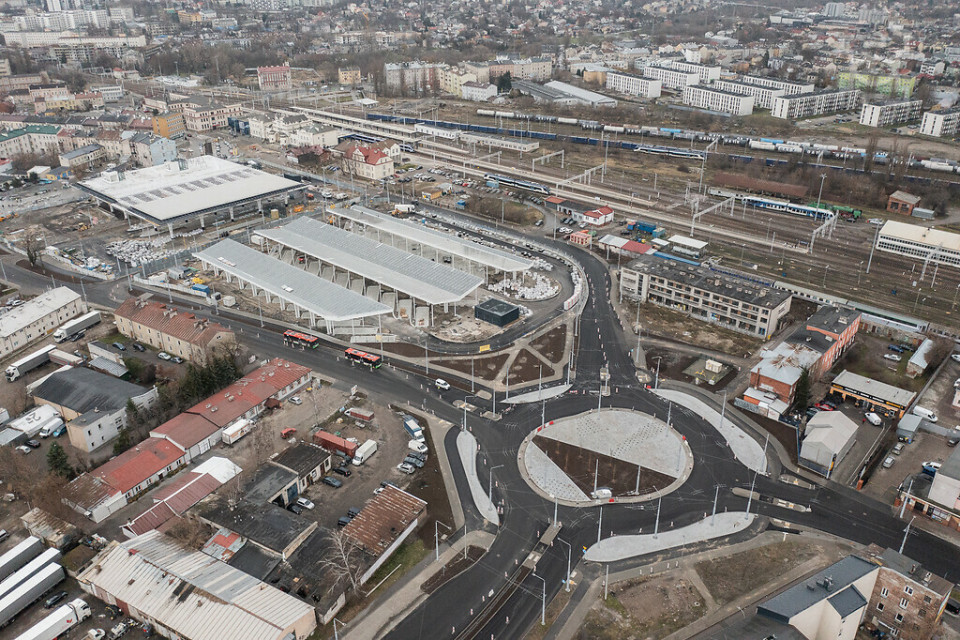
(907, 427)
(902, 202)
(497, 312)
(830, 435)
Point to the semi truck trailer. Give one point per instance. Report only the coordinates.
(64, 618)
(19, 556)
(29, 592)
(29, 363)
(76, 325)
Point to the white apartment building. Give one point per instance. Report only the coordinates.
(941, 123)
(763, 95)
(883, 114)
(671, 78)
(805, 105)
(715, 100)
(452, 80)
(478, 91)
(789, 88)
(633, 85)
(413, 76)
(705, 73)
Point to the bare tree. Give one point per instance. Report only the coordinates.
(344, 559)
(18, 474)
(942, 347)
(33, 245)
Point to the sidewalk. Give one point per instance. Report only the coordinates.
(381, 615)
(616, 548)
(467, 448)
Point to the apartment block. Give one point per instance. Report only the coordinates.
(715, 100)
(671, 78)
(709, 296)
(417, 77)
(278, 78)
(789, 88)
(884, 114)
(176, 332)
(633, 85)
(941, 123)
(705, 74)
(170, 125)
(895, 86)
(763, 96)
(805, 105)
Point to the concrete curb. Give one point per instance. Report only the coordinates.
(467, 448)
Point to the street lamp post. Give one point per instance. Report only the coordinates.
(436, 536)
(543, 601)
(336, 636)
(656, 380)
(569, 553)
(465, 411)
(490, 482)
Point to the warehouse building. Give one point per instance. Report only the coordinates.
(943, 123)
(805, 105)
(711, 99)
(884, 114)
(633, 85)
(167, 328)
(181, 192)
(365, 266)
(922, 243)
(38, 318)
(188, 594)
(763, 95)
(713, 297)
(93, 404)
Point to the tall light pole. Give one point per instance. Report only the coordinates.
(656, 380)
(436, 536)
(465, 411)
(543, 600)
(569, 553)
(823, 177)
(336, 636)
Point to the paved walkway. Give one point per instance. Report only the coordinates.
(467, 448)
(745, 449)
(622, 547)
(538, 395)
(544, 472)
(398, 601)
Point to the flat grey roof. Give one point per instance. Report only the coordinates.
(446, 242)
(825, 584)
(874, 388)
(172, 190)
(418, 277)
(325, 299)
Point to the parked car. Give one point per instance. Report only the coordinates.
(289, 432)
(296, 400)
(176, 360)
(892, 357)
(413, 461)
(416, 446)
(353, 512)
(52, 601)
(895, 348)
(306, 504)
(118, 346)
(405, 468)
(24, 449)
(343, 521)
(889, 462)
(343, 471)
(295, 508)
(95, 634)
(118, 631)
(898, 448)
(931, 468)
(952, 442)
(33, 444)
(163, 355)
(955, 357)
(822, 406)
(332, 482)
(4, 534)
(422, 457)
(138, 347)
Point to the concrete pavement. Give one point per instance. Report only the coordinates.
(618, 548)
(467, 448)
(538, 395)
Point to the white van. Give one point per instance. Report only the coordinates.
(873, 419)
(924, 413)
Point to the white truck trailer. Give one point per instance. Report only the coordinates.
(53, 626)
(29, 363)
(19, 556)
(76, 325)
(29, 592)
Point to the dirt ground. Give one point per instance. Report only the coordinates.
(482, 369)
(866, 359)
(666, 323)
(618, 475)
(527, 368)
(645, 608)
(551, 344)
(730, 577)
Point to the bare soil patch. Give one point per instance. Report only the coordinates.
(527, 368)
(645, 608)
(582, 464)
(401, 349)
(551, 344)
(483, 368)
(730, 577)
(456, 566)
(659, 321)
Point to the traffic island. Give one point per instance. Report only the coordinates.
(614, 455)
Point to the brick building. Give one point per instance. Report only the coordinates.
(275, 78)
(902, 202)
(176, 332)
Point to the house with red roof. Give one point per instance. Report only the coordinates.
(365, 161)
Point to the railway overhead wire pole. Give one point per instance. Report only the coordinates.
(732, 201)
(544, 159)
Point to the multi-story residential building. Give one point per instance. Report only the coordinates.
(69, 102)
(895, 86)
(171, 125)
(633, 85)
(452, 80)
(834, 9)
(313, 135)
(805, 105)
(277, 78)
(712, 297)
(945, 122)
(763, 96)
(201, 114)
(32, 139)
(276, 128)
(38, 318)
(789, 88)
(19, 82)
(83, 158)
(478, 91)
(914, 241)
(671, 78)
(364, 161)
(705, 73)
(539, 69)
(110, 93)
(884, 114)
(349, 76)
(932, 67)
(169, 329)
(711, 99)
(479, 69)
(5, 71)
(150, 150)
(412, 77)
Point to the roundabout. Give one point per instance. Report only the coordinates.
(611, 455)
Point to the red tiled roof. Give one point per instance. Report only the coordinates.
(554, 199)
(636, 247)
(170, 321)
(186, 429)
(135, 465)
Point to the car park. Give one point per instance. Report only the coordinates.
(405, 468)
(332, 482)
(306, 504)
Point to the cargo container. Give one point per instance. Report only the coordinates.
(412, 427)
(360, 414)
(63, 358)
(364, 452)
(202, 288)
(63, 619)
(236, 431)
(28, 363)
(19, 556)
(29, 592)
(334, 443)
(431, 195)
(78, 324)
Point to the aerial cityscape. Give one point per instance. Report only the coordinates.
(553, 320)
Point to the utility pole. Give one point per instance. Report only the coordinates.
(599, 524)
(906, 532)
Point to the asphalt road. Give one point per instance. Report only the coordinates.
(836, 509)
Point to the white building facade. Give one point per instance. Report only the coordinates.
(715, 100)
(633, 85)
